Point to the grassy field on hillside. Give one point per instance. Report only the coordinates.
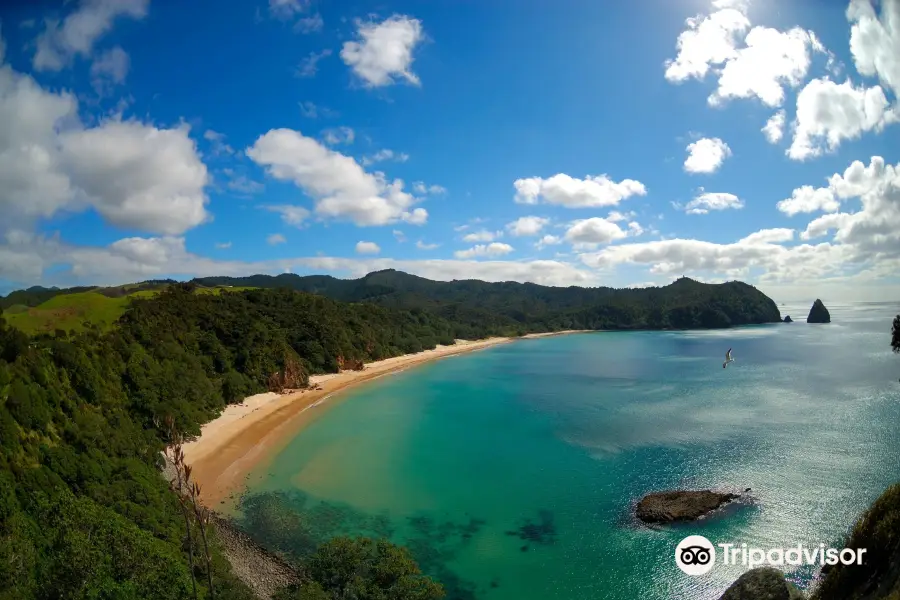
(73, 311)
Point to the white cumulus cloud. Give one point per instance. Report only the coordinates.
(708, 201)
(593, 231)
(707, 41)
(423, 246)
(548, 240)
(493, 250)
(290, 214)
(706, 155)
(777, 235)
(527, 225)
(875, 42)
(342, 189)
(383, 52)
(829, 113)
(564, 190)
(482, 235)
(774, 127)
(750, 62)
(807, 199)
(59, 43)
(770, 60)
(367, 248)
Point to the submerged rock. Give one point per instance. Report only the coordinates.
(818, 313)
(686, 505)
(788, 319)
(763, 583)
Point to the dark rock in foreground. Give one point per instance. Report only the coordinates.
(818, 313)
(667, 507)
(788, 319)
(878, 578)
(762, 583)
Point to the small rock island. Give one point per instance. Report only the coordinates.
(671, 506)
(818, 313)
(788, 319)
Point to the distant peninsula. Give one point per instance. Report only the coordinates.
(473, 309)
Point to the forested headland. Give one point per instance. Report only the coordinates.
(86, 413)
(473, 308)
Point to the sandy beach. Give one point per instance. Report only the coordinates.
(245, 434)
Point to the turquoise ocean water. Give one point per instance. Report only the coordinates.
(511, 472)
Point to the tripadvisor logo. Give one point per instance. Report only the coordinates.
(696, 555)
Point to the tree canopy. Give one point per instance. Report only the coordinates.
(895, 334)
(363, 569)
(85, 512)
(477, 308)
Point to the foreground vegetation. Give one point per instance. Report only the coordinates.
(84, 512)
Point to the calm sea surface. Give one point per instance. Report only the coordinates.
(511, 472)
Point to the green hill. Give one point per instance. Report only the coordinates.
(74, 309)
(684, 304)
(475, 307)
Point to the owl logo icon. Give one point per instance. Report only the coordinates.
(695, 555)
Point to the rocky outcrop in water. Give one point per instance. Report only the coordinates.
(788, 319)
(762, 583)
(818, 313)
(685, 505)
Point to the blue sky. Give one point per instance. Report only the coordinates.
(585, 143)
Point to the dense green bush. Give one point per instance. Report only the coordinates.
(85, 513)
(362, 569)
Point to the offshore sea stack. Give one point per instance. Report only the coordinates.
(818, 313)
(672, 506)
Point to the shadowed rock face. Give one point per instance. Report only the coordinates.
(818, 313)
(667, 507)
(762, 583)
(788, 319)
(878, 577)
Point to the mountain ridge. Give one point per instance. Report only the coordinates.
(513, 307)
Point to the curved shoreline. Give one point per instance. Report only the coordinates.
(245, 434)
